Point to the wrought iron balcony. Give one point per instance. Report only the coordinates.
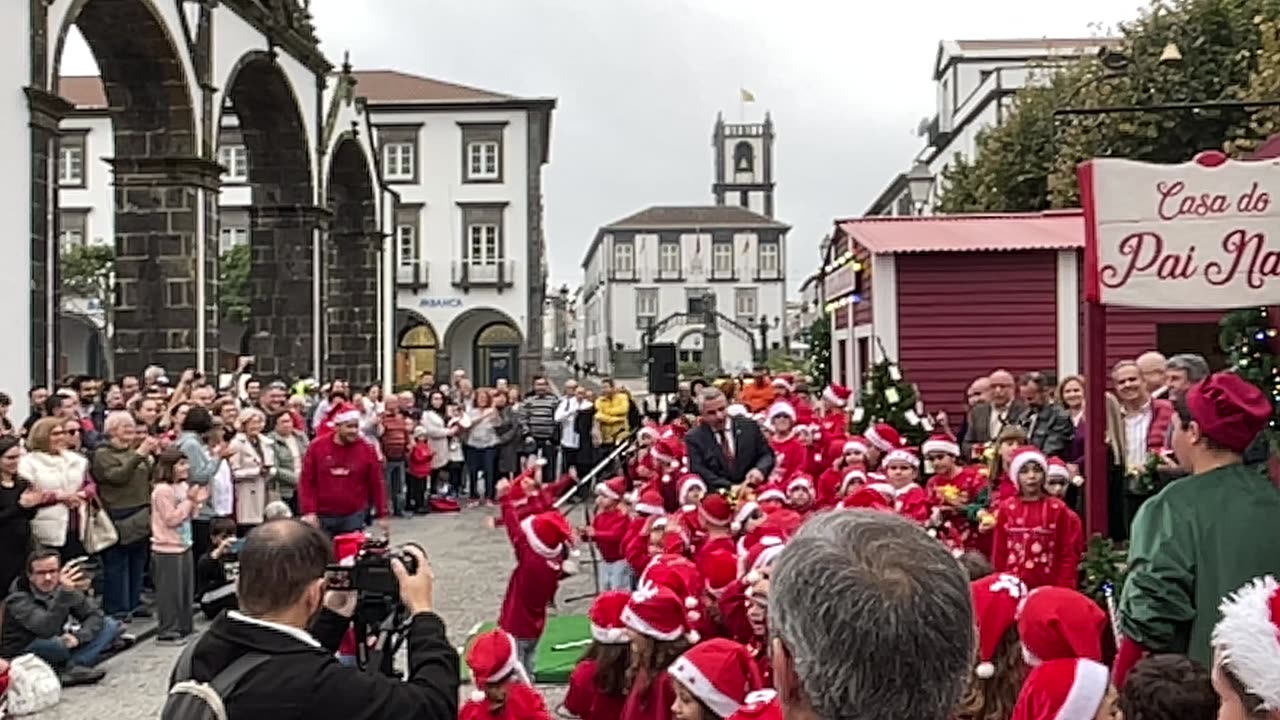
(468, 274)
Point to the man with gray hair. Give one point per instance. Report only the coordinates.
(854, 594)
(726, 451)
(1183, 371)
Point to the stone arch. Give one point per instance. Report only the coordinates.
(417, 347)
(158, 177)
(469, 344)
(262, 114)
(351, 272)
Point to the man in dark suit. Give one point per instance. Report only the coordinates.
(988, 418)
(727, 451)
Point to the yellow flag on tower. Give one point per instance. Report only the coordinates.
(747, 95)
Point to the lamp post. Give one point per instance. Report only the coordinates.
(763, 325)
(919, 186)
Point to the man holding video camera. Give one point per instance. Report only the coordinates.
(289, 616)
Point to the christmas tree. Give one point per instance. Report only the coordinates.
(1247, 335)
(887, 397)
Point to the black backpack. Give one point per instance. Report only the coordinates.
(194, 700)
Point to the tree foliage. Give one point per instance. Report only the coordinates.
(887, 397)
(233, 284)
(818, 338)
(1231, 52)
(86, 272)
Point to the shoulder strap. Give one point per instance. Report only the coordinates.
(226, 681)
(182, 669)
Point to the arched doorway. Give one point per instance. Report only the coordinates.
(81, 348)
(416, 352)
(351, 277)
(158, 177)
(486, 343)
(497, 354)
(261, 126)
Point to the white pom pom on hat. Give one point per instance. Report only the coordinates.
(1078, 481)
(477, 696)
(691, 603)
(752, 577)
(985, 670)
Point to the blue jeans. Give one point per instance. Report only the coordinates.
(123, 567)
(393, 474)
(615, 575)
(527, 651)
(481, 461)
(339, 524)
(52, 651)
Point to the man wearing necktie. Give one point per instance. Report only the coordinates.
(727, 451)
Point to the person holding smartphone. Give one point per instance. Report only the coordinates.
(216, 570)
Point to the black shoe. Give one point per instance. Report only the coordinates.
(142, 612)
(79, 675)
(171, 638)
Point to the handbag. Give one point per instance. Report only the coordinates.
(97, 532)
(33, 687)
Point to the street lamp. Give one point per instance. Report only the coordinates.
(763, 325)
(919, 186)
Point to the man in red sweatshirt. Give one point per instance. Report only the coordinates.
(341, 479)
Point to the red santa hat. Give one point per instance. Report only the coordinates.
(780, 408)
(942, 442)
(606, 617)
(1068, 689)
(760, 705)
(719, 672)
(343, 414)
(902, 456)
(719, 570)
(800, 481)
(744, 513)
(772, 493)
(492, 659)
(856, 475)
(1058, 469)
(995, 609)
(1055, 623)
(1023, 455)
(614, 488)
(1247, 639)
(715, 510)
(1230, 410)
(547, 533)
(786, 381)
(689, 481)
(884, 436)
(650, 503)
(759, 556)
(657, 612)
(837, 395)
(647, 432)
(681, 576)
(869, 497)
(857, 443)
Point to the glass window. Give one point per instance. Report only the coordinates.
(770, 259)
(722, 259)
(482, 161)
(483, 246)
(398, 160)
(71, 163)
(407, 243)
(744, 302)
(647, 302)
(669, 259)
(231, 236)
(624, 258)
(234, 160)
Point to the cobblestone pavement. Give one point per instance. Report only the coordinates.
(472, 562)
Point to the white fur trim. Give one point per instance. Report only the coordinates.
(534, 542)
(647, 509)
(1087, 692)
(780, 382)
(1021, 459)
(648, 431)
(851, 445)
(1058, 471)
(888, 491)
(609, 636)
(637, 623)
(736, 410)
(1030, 658)
(540, 462)
(1078, 480)
(760, 696)
(771, 494)
(691, 603)
(347, 416)
(689, 484)
(899, 455)
(849, 477)
(942, 446)
(744, 512)
(1246, 638)
(700, 686)
(604, 490)
(832, 397)
(984, 670)
(781, 408)
(509, 666)
(875, 439)
(477, 696)
(767, 556)
(803, 482)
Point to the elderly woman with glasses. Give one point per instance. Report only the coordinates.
(54, 467)
(253, 465)
(122, 467)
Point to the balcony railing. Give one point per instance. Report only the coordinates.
(469, 274)
(413, 274)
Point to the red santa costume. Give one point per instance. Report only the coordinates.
(584, 698)
(834, 421)
(909, 499)
(716, 518)
(494, 662)
(772, 498)
(800, 494)
(1247, 639)
(682, 576)
(817, 447)
(883, 437)
(875, 496)
(760, 705)
(718, 672)
(996, 599)
(659, 614)
(949, 494)
(635, 546)
(1063, 690)
(848, 453)
(540, 548)
(1034, 538)
(1055, 623)
(790, 453)
(609, 527)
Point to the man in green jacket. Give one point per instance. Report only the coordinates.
(1204, 535)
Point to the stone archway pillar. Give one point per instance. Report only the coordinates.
(47, 110)
(284, 313)
(351, 304)
(158, 229)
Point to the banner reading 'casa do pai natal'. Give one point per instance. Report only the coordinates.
(1203, 234)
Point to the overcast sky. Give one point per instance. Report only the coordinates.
(639, 83)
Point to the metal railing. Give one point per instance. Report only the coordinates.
(414, 273)
(474, 273)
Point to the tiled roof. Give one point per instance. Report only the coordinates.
(1055, 230)
(1032, 43)
(694, 216)
(83, 91)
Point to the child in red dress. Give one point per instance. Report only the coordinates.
(1035, 537)
(712, 680)
(997, 677)
(901, 468)
(716, 520)
(790, 453)
(542, 546)
(951, 488)
(800, 494)
(607, 530)
(635, 546)
(597, 685)
(659, 631)
(502, 690)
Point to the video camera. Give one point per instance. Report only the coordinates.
(371, 573)
(380, 620)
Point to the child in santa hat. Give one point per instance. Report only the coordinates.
(657, 623)
(772, 497)
(901, 469)
(607, 530)
(503, 690)
(719, 570)
(692, 490)
(542, 551)
(871, 496)
(1246, 651)
(833, 411)
(682, 576)
(1035, 536)
(757, 595)
(997, 677)
(712, 680)
(995, 487)
(800, 494)
(1056, 623)
(715, 517)
(854, 479)
(881, 438)
(817, 460)
(845, 454)
(598, 683)
(790, 453)
(950, 490)
(648, 508)
(1073, 689)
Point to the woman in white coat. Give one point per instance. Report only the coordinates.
(253, 464)
(50, 466)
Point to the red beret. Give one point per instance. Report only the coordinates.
(1230, 410)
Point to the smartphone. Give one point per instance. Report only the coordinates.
(75, 563)
(337, 578)
(236, 546)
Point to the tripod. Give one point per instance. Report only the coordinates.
(385, 620)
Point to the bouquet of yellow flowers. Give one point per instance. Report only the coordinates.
(953, 495)
(986, 520)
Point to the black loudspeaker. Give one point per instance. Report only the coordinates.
(664, 370)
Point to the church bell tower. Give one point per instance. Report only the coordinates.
(744, 164)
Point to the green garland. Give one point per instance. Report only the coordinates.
(1103, 565)
(1246, 336)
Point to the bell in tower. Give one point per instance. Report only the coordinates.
(744, 158)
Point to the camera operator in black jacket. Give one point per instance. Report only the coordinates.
(287, 613)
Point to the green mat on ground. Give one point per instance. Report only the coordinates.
(562, 644)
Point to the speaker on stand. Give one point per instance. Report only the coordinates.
(664, 370)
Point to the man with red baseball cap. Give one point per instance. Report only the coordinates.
(1204, 535)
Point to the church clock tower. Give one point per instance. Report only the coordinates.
(744, 164)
